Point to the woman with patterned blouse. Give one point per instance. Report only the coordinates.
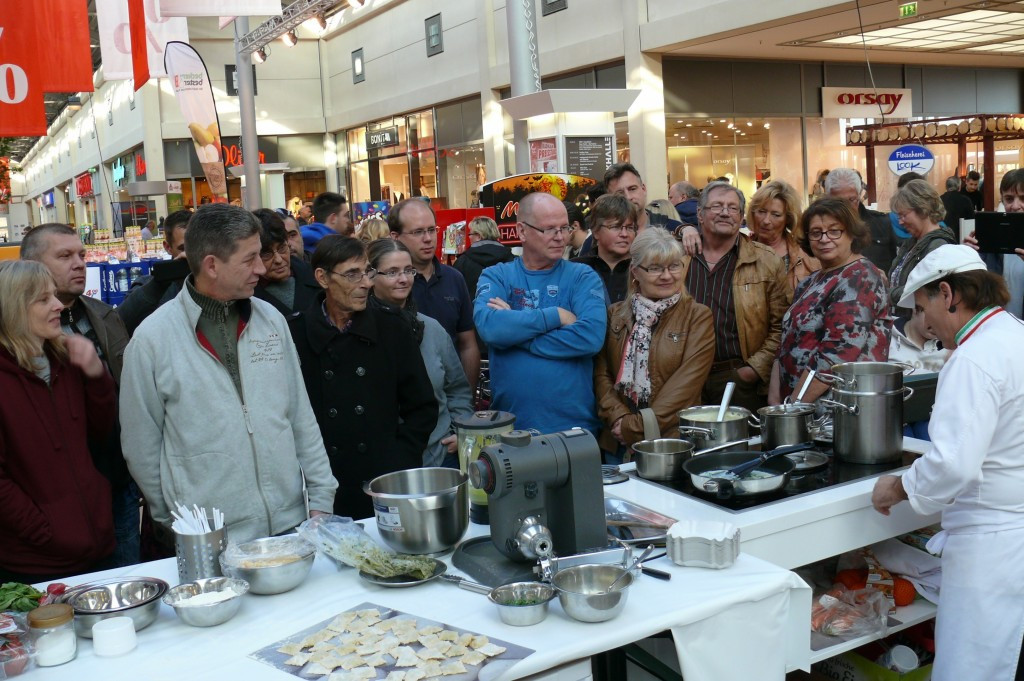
(840, 313)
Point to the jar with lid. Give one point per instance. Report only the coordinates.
(52, 628)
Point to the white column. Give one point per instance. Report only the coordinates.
(152, 139)
(493, 120)
(272, 185)
(647, 147)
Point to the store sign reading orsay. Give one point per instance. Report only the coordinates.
(848, 102)
(384, 137)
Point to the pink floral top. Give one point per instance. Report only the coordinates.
(837, 316)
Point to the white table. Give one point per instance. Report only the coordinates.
(738, 623)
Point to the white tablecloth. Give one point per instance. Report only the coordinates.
(748, 621)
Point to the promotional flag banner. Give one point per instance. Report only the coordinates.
(137, 30)
(191, 83)
(115, 38)
(21, 95)
(219, 8)
(63, 43)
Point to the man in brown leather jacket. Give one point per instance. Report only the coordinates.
(744, 284)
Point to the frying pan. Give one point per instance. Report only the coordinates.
(779, 467)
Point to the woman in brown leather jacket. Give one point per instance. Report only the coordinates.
(658, 350)
(773, 217)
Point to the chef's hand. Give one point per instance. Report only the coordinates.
(887, 493)
(451, 442)
(565, 317)
(691, 239)
(82, 354)
(617, 430)
(498, 304)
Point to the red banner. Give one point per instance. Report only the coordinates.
(63, 42)
(140, 56)
(21, 95)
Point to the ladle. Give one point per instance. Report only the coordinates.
(730, 387)
(805, 386)
(648, 551)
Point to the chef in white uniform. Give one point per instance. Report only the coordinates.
(974, 470)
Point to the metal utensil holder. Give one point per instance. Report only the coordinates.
(199, 554)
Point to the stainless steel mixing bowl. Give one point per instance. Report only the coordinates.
(210, 614)
(583, 591)
(257, 562)
(135, 597)
(522, 603)
(421, 510)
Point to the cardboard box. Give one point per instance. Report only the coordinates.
(851, 666)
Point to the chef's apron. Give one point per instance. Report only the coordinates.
(980, 622)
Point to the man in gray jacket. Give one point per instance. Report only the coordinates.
(213, 407)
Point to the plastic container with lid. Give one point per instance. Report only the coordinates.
(474, 432)
(53, 631)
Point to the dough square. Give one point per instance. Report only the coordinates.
(395, 676)
(473, 658)
(430, 629)
(341, 622)
(298, 660)
(452, 667)
(478, 642)
(490, 650)
(414, 675)
(448, 635)
(431, 668)
(405, 657)
(317, 669)
(430, 654)
(291, 648)
(465, 640)
(456, 651)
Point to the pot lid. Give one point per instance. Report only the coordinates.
(807, 460)
(485, 420)
(788, 409)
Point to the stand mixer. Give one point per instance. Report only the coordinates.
(545, 493)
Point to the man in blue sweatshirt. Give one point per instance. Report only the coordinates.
(543, 319)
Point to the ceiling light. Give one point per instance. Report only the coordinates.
(290, 39)
(750, 123)
(679, 121)
(689, 125)
(767, 126)
(260, 55)
(676, 135)
(721, 120)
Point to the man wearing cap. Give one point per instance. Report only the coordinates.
(973, 472)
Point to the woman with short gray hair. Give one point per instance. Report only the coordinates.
(919, 210)
(658, 349)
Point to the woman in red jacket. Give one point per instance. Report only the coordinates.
(56, 518)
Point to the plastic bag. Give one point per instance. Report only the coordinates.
(347, 543)
(266, 553)
(15, 646)
(841, 612)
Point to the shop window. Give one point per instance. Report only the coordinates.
(435, 40)
(551, 6)
(461, 169)
(358, 75)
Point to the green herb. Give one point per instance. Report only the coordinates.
(20, 597)
(522, 601)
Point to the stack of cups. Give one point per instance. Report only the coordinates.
(199, 554)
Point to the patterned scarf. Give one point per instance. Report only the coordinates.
(634, 379)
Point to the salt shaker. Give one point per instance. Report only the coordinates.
(52, 629)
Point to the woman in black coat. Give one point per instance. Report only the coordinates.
(364, 374)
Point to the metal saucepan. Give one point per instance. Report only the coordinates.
(701, 426)
(784, 424)
(705, 471)
(662, 459)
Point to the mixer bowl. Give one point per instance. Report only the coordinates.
(421, 510)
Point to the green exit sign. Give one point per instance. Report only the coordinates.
(908, 9)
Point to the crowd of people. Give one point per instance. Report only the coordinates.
(273, 367)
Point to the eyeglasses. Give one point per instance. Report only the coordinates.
(620, 228)
(418, 233)
(658, 270)
(551, 231)
(355, 276)
(717, 208)
(281, 250)
(395, 273)
(832, 234)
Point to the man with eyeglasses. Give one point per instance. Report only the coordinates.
(846, 184)
(543, 319)
(364, 374)
(439, 291)
(213, 410)
(288, 283)
(744, 284)
(613, 224)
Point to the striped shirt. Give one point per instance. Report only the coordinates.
(713, 287)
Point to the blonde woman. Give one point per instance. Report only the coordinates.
(57, 519)
(658, 349)
(773, 217)
(372, 229)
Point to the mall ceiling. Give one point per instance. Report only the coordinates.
(944, 32)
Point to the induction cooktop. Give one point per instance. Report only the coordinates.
(800, 483)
